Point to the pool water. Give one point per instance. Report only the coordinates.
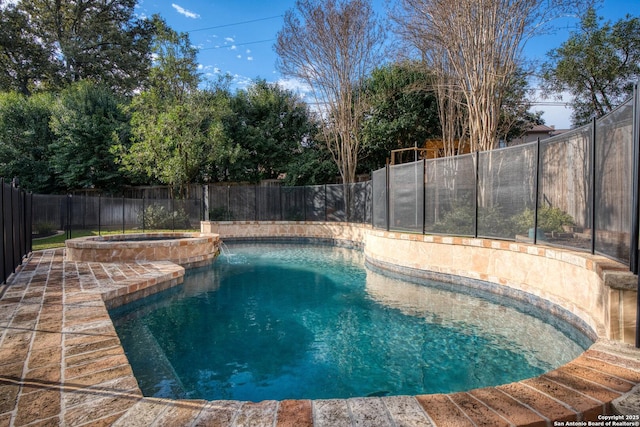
(310, 322)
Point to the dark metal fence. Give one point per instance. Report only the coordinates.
(573, 190)
(331, 202)
(15, 218)
(80, 214)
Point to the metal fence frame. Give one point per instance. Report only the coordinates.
(15, 220)
(609, 158)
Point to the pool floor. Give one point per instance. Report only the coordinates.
(61, 363)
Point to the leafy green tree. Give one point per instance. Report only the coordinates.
(597, 65)
(312, 165)
(24, 59)
(174, 72)
(402, 113)
(87, 121)
(176, 128)
(90, 39)
(25, 139)
(177, 143)
(270, 124)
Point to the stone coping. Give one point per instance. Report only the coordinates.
(185, 248)
(61, 363)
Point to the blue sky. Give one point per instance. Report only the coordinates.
(237, 37)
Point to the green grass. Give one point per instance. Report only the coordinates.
(58, 240)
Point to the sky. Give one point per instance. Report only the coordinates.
(236, 37)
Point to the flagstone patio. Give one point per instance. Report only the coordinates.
(61, 363)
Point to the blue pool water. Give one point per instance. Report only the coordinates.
(309, 321)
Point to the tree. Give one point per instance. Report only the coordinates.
(332, 46)
(174, 126)
(90, 39)
(597, 65)
(476, 47)
(313, 165)
(174, 144)
(25, 140)
(87, 121)
(402, 112)
(270, 124)
(24, 59)
(515, 116)
(174, 73)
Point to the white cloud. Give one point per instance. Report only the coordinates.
(185, 12)
(239, 56)
(241, 82)
(248, 51)
(229, 39)
(234, 47)
(249, 58)
(294, 85)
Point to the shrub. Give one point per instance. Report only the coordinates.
(220, 214)
(158, 218)
(550, 219)
(43, 228)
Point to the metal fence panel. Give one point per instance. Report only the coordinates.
(9, 247)
(48, 211)
(450, 195)
(219, 203)
(406, 197)
(506, 191)
(15, 222)
(336, 202)
(360, 211)
(315, 203)
(269, 204)
(242, 202)
(293, 203)
(564, 188)
(613, 183)
(379, 198)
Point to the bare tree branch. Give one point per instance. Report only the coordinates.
(332, 46)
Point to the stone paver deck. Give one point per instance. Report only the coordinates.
(61, 363)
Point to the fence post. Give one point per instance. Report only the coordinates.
(635, 184)
(304, 201)
(143, 213)
(593, 186)
(325, 202)
(255, 203)
(424, 194)
(536, 201)
(205, 202)
(635, 217)
(100, 214)
(3, 244)
(123, 221)
(387, 202)
(476, 183)
(29, 223)
(228, 210)
(69, 206)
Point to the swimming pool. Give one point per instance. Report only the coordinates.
(309, 321)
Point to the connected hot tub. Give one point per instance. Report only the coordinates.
(185, 249)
